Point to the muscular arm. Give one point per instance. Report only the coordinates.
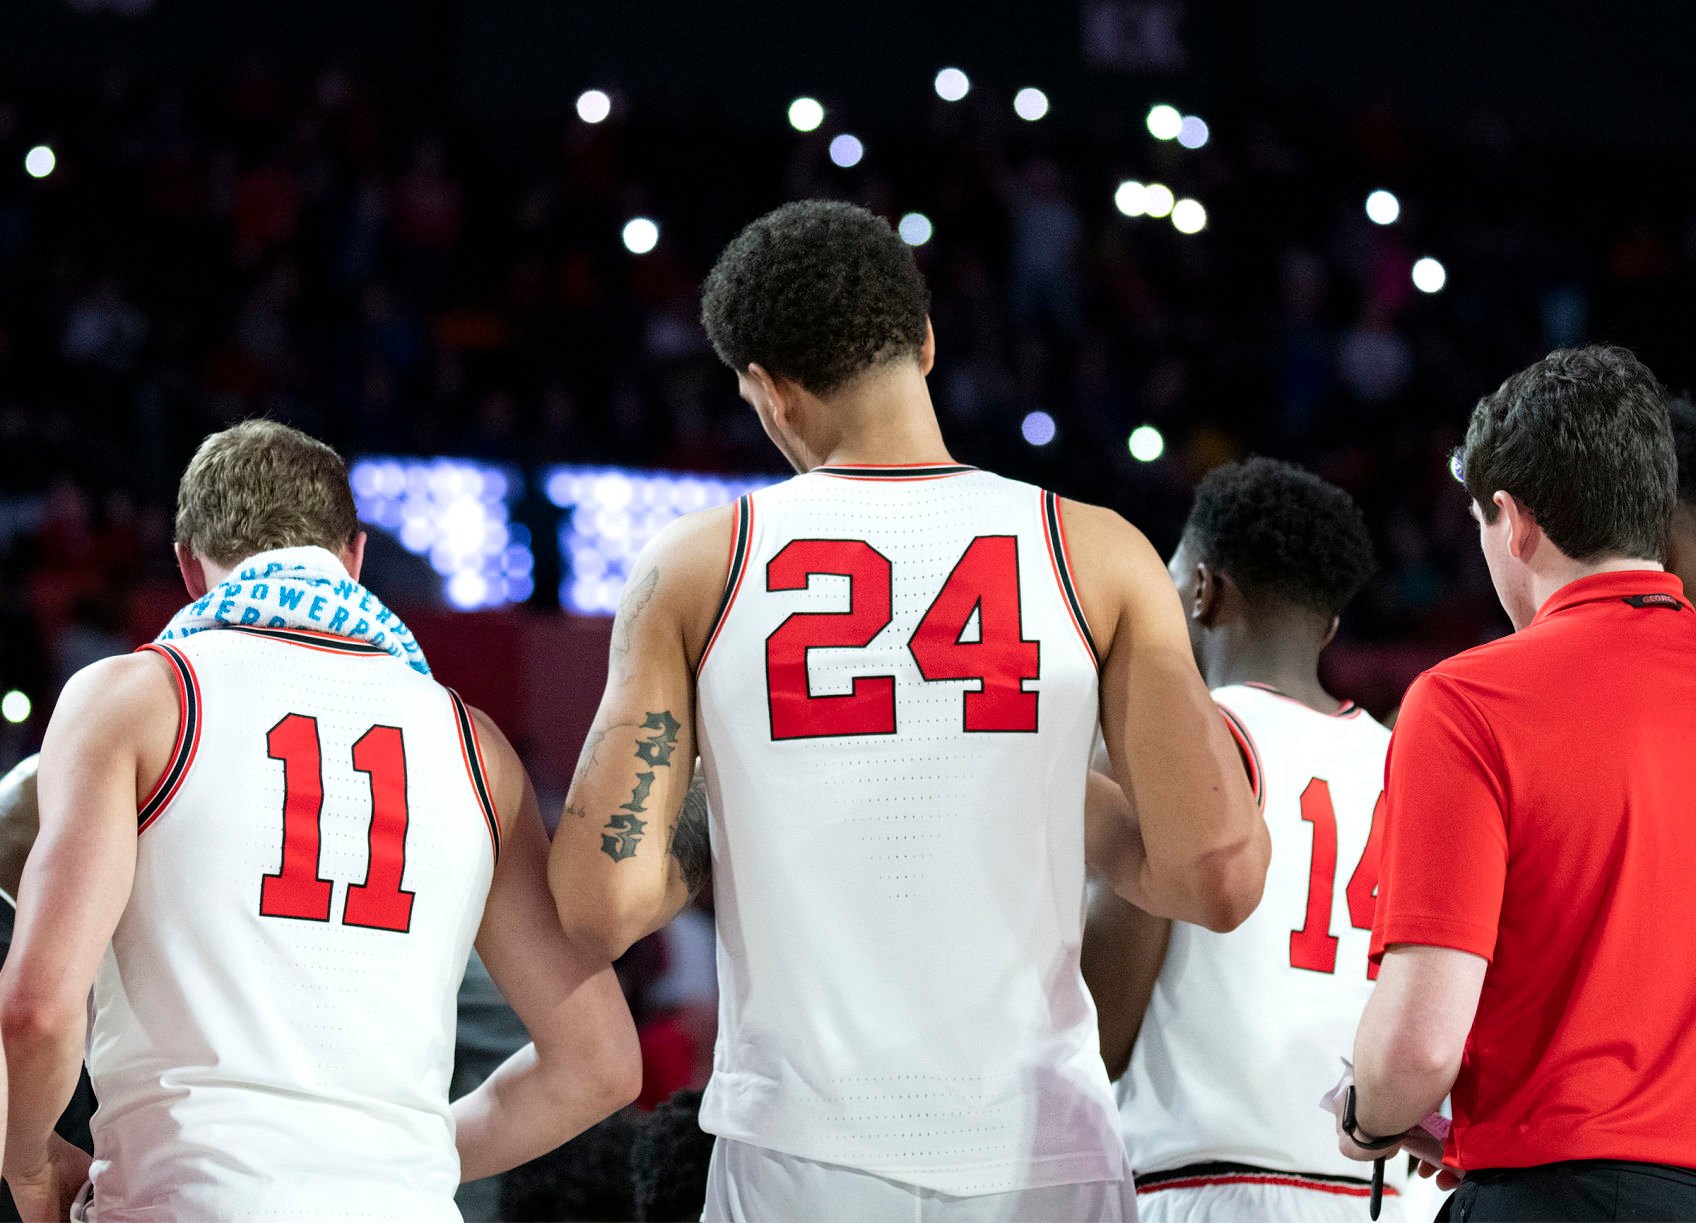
(1205, 846)
(109, 739)
(583, 1061)
(614, 869)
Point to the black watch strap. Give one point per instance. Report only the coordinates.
(1350, 1127)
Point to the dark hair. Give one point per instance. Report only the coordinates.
(1281, 532)
(818, 292)
(1683, 416)
(587, 1179)
(1582, 438)
(668, 1161)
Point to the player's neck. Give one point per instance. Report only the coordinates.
(1290, 666)
(886, 420)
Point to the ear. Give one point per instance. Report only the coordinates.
(1331, 631)
(927, 350)
(1209, 596)
(1523, 531)
(194, 576)
(353, 556)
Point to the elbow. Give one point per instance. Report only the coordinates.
(1227, 883)
(603, 933)
(32, 1022)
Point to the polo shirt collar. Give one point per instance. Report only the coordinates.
(1623, 584)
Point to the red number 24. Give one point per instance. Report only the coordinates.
(297, 890)
(985, 582)
(1314, 947)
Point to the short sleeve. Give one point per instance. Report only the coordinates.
(1445, 849)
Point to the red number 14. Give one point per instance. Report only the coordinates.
(1314, 947)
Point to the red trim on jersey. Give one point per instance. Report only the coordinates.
(741, 544)
(1247, 750)
(471, 751)
(1292, 1180)
(1347, 709)
(189, 715)
(1054, 535)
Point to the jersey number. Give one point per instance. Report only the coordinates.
(984, 583)
(1314, 947)
(297, 889)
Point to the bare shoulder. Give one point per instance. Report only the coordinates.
(507, 778)
(1104, 537)
(1115, 567)
(114, 691)
(676, 582)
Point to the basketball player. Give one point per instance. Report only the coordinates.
(268, 849)
(1681, 541)
(1244, 1029)
(893, 666)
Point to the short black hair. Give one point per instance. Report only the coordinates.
(586, 1179)
(818, 292)
(1281, 532)
(1682, 413)
(1583, 439)
(668, 1162)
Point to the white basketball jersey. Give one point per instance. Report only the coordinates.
(1244, 1031)
(273, 1023)
(895, 713)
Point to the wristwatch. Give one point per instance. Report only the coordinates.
(1364, 1141)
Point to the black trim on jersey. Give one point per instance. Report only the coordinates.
(1057, 542)
(474, 763)
(189, 736)
(1249, 752)
(738, 559)
(1220, 1169)
(896, 473)
(310, 637)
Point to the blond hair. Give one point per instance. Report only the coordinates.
(261, 485)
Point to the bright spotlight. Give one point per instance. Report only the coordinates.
(640, 235)
(1030, 104)
(1164, 122)
(915, 229)
(1146, 444)
(1429, 276)
(39, 161)
(1157, 200)
(952, 85)
(1382, 207)
(805, 114)
(1037, 428)
(593, 106)
(15, 707)
(1131, 198)
(846, 150)
(1188, 216)
(1193, 133)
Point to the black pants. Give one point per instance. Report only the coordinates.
(1581, 1189)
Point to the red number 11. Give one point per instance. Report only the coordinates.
(297, 890)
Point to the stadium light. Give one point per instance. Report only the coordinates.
(1188, 216)
(915, 229)
(1131, 198)
(1158, 200)
(15, 707)
(1193, 132)
(805, 114)
(593, 106)
(1429, 276)
(1030, 104)
(641, 235)
(39, 161)
(846, 150)
(1146, 444)
(1382, 207)
(1037, 428)
(1164, 122)
(952, 84)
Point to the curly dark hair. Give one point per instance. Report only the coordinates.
(586, 1179)
(1683, 414)
(668, 1162)
(1281, 532)
(1582, 438)
(818, 292)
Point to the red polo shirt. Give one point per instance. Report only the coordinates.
(1541, 812)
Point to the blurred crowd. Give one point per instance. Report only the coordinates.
(398, 278)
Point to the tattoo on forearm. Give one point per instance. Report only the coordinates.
(690, 846)
(623, 832)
